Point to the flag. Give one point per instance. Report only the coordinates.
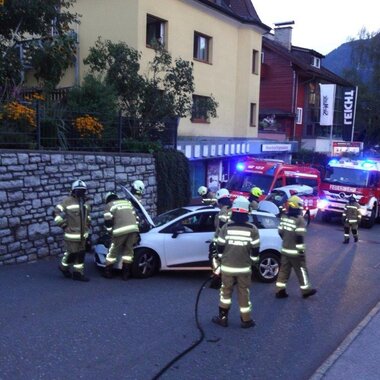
(349, 106)
(327, 104)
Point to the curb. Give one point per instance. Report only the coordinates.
(329, 362)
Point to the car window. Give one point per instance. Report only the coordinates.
(264, 221)
(278, 197)
(201, 222)
(166, 217)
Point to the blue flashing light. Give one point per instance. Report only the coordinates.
(334, 161)
(240, 166)
(368, 164)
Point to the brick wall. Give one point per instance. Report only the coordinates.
(32, 183)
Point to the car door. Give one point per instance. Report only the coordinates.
(186, 241)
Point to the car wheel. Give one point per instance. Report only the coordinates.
(268, 267)
(145, 263)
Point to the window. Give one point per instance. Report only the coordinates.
(316, 62)
(155, 31)
(202, 47)
(199, 112)
(252, 115)
(299, 116)
(255, 63)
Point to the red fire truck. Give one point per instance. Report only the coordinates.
(271, 174)
(345, 177)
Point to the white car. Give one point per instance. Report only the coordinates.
(179, 240)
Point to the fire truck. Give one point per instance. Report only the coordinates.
(271, 174)
(345, 177)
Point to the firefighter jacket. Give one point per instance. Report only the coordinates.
(240, 245)
(221, 219)
(120, 217)
(351, 214)
(209, 199)
(292, 230)
(254, 205)
(73, 215)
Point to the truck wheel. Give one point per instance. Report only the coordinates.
(368, 223)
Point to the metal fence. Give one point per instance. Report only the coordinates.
(39, 125)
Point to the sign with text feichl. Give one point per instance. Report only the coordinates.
(349, 106)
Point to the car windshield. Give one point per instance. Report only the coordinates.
(168, 216)
(278, 197)
(245, 181)
(264, 221)
(347, 176)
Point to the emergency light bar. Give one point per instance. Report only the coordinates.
(240, 166)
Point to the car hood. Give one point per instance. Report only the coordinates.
(137, 205)
(268, 206)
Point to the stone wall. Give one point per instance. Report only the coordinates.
(32, 183)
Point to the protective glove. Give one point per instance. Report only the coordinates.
(216, 266)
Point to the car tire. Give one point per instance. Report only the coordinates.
(266, 270)
(145, 263)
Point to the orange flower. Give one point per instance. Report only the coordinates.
(18, 112)
(88, 125)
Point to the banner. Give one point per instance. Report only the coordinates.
(327, 104)
(349, 106)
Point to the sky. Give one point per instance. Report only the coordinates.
(321, 25)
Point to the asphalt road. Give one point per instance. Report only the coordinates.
(55, 328)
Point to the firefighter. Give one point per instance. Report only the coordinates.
(73, 215)
(238, 245)
(254, 196)
(138, 189)
(292, 229)
(120, 221)
(208, 197)
(224, 202)
(351, 217)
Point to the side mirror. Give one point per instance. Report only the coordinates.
(177, 231)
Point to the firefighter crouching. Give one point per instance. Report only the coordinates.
(223, 216)
(73, 215)
(292, 229)
(120, 222)
(208, 197)
(351, 218)
(238, 244)
(254, 198)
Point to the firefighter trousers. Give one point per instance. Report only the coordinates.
(122, 248)
(353, 227)
(243, 281)
(74, 256)
(298, 263)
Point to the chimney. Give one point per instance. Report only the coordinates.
(283, 33)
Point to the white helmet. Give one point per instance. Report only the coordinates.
(202, 190)
(222, 193)
(138, 186)
(79, 185)
(240, 204)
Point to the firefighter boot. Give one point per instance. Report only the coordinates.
(247, 324)
(107, 272)
(311, 292)
(66, 271)
(216, 282)
(346, 241)
(126, 272)
(78, 276)
(222, 318)
(356, 238)
(282, 294)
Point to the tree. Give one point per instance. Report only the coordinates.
(40, 30)
(164, 91)
(364, 71)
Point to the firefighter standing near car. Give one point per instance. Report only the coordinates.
(73, 215)
(223, 216)
(292, 229)
(254, 198)
(238, 245)
(120, 221)
(138, 189)
(351, 218)
(208, 197)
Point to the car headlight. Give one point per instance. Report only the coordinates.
(322, 204)
(363, 211)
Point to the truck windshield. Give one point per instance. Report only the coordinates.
(347, 176)
(245, 181)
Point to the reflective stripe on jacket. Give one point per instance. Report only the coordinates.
(292, 230)
(122, 216)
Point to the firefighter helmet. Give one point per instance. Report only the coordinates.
(256, 192)
(202, 190)
(295, 202)
(222, 193)
(111, 197)
(240, 204)
(138, 186)
(352, 198)
(79, 185)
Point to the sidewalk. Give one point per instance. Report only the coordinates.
(358, 356)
